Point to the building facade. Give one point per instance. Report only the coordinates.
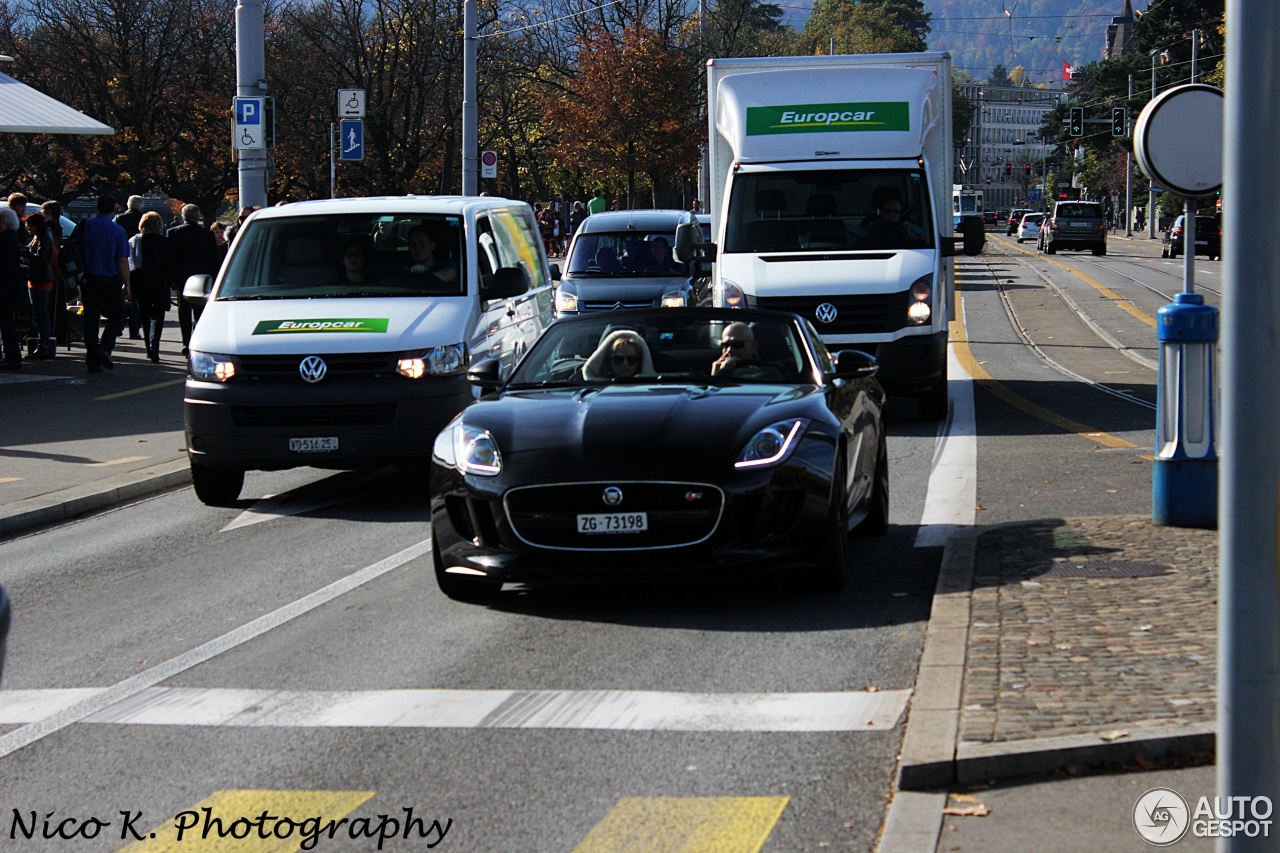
(1004, 153)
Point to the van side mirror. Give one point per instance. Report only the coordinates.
(556, 273)
(855, 364)
(972, 239)
(690, 249)
(505, 283)
(196, 289)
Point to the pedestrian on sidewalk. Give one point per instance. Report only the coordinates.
(40, 252)
(12, 288)
(193, 250)
(129, 221)
(106, 261)
(151, 276)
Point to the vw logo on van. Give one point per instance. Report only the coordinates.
(826, 313)
(612, 496)
(312, 369)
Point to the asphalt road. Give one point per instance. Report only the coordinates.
(294, 655)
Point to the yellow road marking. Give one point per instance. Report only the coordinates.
(12, 479)
(1122, 303)
(230, 806)
(141, 390)
(685, 825)
(960, 340)
(125, 460)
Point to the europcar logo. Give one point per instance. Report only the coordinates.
(375, 325)
(829, 118)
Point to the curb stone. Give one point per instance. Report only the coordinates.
(53, 507)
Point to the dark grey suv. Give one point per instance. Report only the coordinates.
(1075, 225)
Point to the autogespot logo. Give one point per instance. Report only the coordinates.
(1161, 817)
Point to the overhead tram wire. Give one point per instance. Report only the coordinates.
(549, 21)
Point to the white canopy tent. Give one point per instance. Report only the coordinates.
(27, 110)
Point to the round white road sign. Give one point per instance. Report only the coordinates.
(1178, 140)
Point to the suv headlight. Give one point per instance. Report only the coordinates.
(566, 303)
(772, 445)
(448, 360)
(726, 294)
(211, 366)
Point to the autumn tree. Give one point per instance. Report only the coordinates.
(867, 26)
(632, 109)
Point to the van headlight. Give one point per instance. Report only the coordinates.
(726, 294)
(448, 360)
(211, 366)
(674, 299)
(772, 445)
(566, 303)
(920, 301)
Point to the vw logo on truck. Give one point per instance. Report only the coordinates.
(312, 369)
(826, 313)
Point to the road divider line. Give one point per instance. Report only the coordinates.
(130, 687)
(952, 493)
(238, 820)
(685, 825)
(601, 710)
(124, 460)
(142, 390)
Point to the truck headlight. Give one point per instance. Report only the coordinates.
(726, 294)
(920, 301)
(674, 299)
(772, 444)
(447, 360)
(211, 366)
(566, 303)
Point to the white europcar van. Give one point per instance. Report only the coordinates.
(339, 333)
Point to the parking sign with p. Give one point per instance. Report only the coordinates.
(248, 133)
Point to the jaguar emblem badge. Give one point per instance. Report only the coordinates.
(612, 496)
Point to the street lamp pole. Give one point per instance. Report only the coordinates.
(1151, 194)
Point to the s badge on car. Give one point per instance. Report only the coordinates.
(612, 496)
(312, 369)
(826, 313)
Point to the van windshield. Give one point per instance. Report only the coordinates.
(820, 210)
(625, 254)
(310, 257)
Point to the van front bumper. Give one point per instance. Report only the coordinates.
(353, 425)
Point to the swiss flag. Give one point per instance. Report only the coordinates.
(1068, 71)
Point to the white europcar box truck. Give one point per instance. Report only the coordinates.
(808, 159)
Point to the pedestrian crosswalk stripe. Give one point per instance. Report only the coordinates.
(685, 825)
(616, 710)
(266, 821)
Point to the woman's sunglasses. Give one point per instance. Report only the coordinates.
(626, 359)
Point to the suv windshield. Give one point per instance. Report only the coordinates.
(820, 210)
(625, 254)
(308, 257)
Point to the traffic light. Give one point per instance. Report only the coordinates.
(988, 180)
(1008, 170)
(1119, 121)
(1027, 168)
(1077, 121)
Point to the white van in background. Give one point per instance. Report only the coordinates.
(339, 333)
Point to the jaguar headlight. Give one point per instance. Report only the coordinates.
(475, 451)
(211, 366)
(674, 299)
(772, 445)
(447, 360)
(566, 303)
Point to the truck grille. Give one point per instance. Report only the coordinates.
(339, 367)
(867, 314)
(679, 514)
(603, 305)
(379, 414)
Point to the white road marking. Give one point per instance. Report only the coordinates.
(106, 697)
(616, 710)
(277, 506)
(952, 495)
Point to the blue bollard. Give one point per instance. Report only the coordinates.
(1184, 483)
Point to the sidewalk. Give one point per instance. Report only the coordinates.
(1058, 649)
(74, 442)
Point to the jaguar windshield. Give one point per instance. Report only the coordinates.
(348, 255)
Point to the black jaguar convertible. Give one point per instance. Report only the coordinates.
(663, 444)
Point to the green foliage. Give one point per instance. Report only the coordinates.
(869, 26)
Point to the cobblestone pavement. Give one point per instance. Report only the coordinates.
(1090, 625)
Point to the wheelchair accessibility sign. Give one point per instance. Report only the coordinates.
(249, 132)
